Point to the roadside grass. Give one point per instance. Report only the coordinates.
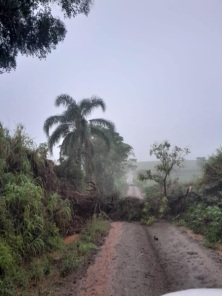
(43, 272)
(205, 221)
(75, 253)
(210, 245)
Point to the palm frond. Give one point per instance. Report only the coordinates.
(70, 142)
(98, 132)
(89, 148)
(72, 114)
(52, 120)
(103, 123)
(60, 132)
(88, 105)
(64, 100)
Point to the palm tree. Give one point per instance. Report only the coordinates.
(75, 131)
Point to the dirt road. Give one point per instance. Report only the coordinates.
(132, 262)
(150, 261)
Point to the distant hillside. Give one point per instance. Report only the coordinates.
(189, 172)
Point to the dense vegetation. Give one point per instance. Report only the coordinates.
(40, 202)
(198, 206)
(31, 218)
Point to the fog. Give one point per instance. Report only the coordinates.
(157, 65)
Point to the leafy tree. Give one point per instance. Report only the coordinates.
(29, 27)
(212, 169)
(76, 131)
(169, 159)
(110, 165)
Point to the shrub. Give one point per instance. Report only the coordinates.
(147, 218)
(7, 261)
(206, 220)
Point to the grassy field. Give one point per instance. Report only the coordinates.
(189, 172)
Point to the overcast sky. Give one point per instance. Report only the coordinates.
(157, 64)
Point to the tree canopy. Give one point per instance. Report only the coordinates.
(212, 168)
(110, 165)
(29, 27)
(169, 159)
(75, 131)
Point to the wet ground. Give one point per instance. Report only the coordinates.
(140, 260)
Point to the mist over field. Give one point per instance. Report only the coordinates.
(188, 173)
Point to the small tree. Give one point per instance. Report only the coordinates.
(169, 159)
(212, 169)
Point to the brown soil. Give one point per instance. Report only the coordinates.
(131, 262)
(98, 278)
(199, 237)
(69, 239)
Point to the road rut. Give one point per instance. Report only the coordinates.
(152, 261)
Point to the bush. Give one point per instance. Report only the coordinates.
(7, 261)
(78, 250)
(147, 218)
(206, 220)
(212, 169)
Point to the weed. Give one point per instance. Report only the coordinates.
(210, 245)
(148, 221)
(39, 268)
(79, 249)
(181, 222)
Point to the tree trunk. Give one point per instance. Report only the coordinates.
(165, 186)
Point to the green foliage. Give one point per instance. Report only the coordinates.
(43, 150)
(212, 169)
(7, 288)
(147, 218)
(168, 160)
(84, 248)
(93, 228)
(163, 206)
(155, 201)
(69, 263)
(110, 165)
(31, 219)
(34, 218)
(59, 212)
(40, 267)
(126, 209)
(71, 171)
(76, 132)
(181, 222)
(29, 27)
(7, 261)
(206, 220)
(77, 251)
